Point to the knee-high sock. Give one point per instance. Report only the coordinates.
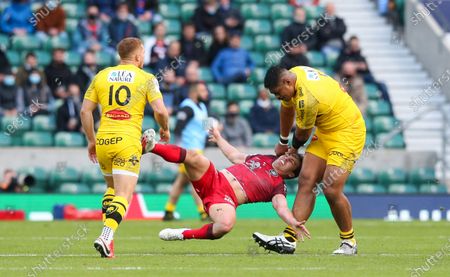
(106, 200)
(170, 153)
(205, 232)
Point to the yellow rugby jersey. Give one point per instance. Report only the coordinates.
(122, 92)
(320, 101)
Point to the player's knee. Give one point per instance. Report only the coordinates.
(192, 156)
(224, 228)
(331, 193)
(306, 180)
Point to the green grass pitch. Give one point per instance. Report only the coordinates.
(65, 249)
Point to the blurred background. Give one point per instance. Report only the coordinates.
(392, 56)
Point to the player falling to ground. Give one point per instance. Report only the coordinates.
(190, 129)
(122, 92)
(314, 99)
(252, 178)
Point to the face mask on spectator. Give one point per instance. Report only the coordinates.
(92, 16)
(263, 103)
(35, 79)
(9, 80)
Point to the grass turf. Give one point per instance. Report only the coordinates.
(65, 249)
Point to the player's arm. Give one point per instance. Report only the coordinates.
(305, 123)
(280, 205)
(162, 118)
(87, 121)
(287, 115)
(231, 153)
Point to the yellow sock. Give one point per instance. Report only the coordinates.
(348, 235)
(200, 209)
(290, 234)
(106, 200)
(115, 212)
(170, 207)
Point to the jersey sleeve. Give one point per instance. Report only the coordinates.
(280, 189)
(91, 92)
(153, 92)
(307, 112)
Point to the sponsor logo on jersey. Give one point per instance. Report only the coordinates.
(108, 141)
(273, 173)
(111, 209)
(118, 114)
(253, 165)
(229, 200)
(133, 160)
(119, 162)
(123, 76)
(312, 75)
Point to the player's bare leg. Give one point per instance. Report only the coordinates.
(175, 191)
(334, 180)
(223, 218)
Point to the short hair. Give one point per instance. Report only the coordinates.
(273, 76)
(127, 46)
(231, 103)
(188, 24)
(30, 54)
(194, 86)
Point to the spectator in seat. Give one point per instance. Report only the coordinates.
(220, 41)
(86, 71)
(192, 47)
(5, 66)
(170, 90)
(236, 129)
(173, 60)
(230, 17)
(192, 76)
(53, 24)
(30, 64)
(68, 115)
(106, 8)
(233, 64)
(121, 25)
(15, 19)
(331, 34)
(299, 3)
(57, 72)
(146, 10)
(35, 94)
(156, 45)
(264, 117)
(354, 85)
(298, 30)
(8, 94)
(91, 33)
(206, 16)
(295, 57)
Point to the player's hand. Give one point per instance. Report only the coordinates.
(281, 149)
(301, 229)
(214, 134)
(92, 154)
(164, 135)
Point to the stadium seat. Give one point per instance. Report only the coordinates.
(257, 58)
(313, 12)
(247, 43)
(163, 187)
(44, 123)
(280, 24)
(395, 142)
(370, 188)
(262, 140)
(4, 41)
(257, 27)
(205, 74)
(148, 123)
(14, 57)
(69, 139)
(71, 25)
(187, 11)
(264, 43)
(372, 91)
(5, 140)
(402, 188)
(273, 1)
(255, 11)
(173, 26)
(40, 174)
(283, 11)
(163, 174)
(245, 1)
(144, 188)
(98, 188)
(184, 1)
(25, 43)
(104, 59)
(218, 107)
(273, 58)
(172, 124)
(380, 107)
(38, 139)
(258, 74)
(316, 58)
(362, 175)
(241, 92)
(65, 174)
(73, 58)
(44, 57)
(326, 70)
(331, 58)
(15, 125)
(56, 42)
(392, 176)
(217, 91)
(348, 188)
(91, 175)
(144, 27)
(73, 188)
(433, 188)
(171, 11)
(420, 176)
(74, 10)
(370, 141)
(383, 124)
(369, 123)
(245, 106)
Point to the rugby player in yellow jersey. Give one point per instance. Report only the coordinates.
(122, 92)
(316, 100)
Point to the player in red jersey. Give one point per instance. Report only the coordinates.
(251, 178)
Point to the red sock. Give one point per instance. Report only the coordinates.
(206, 232)
(170, 153)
